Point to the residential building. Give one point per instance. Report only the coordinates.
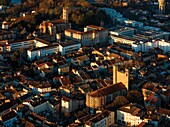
(9, 118)
(126, 31)
(131, 115)
(92, 35)
(122, 39)
(63, 67)
(7, 35)
(99, 98)
(68, 105)
(68, 47)
(36, 87)
(103, 119)
(4, 46)
(5, 25)
(145, 46)
(67, 87)
(39, 104)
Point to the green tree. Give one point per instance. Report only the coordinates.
(134, 96)
(15, 56)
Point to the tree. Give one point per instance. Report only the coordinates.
(15, 56)
(118, 102)
(134, 96)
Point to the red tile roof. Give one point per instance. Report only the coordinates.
(65, 98)
(108, 90)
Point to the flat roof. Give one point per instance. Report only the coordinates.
(45, 47)
(64, 44)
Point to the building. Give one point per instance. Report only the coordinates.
(27, 43)
(68, 47)
(5, 25)
(4, 46)
(7, 35)
(63, 67)
(103, 119)
(126, 31)
(68, 105)
(133, 23)
(92, 35)
(36, 87)
(41, 52)
(161, 6)
(99, 98)
(121, 74)
(9, 118)
(38, 105)
(56, 26)
(122, 39)
(145, 46)
(131, 115)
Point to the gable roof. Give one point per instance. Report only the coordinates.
(108, 90)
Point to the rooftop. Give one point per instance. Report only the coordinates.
(9, 115)
(108, 90)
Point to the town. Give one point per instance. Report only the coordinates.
(91, 66)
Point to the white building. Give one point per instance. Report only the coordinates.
(68, 104)
(27, 43)
(122, 39)
(131, 115)
(68, 47)
(92, 35)
(41, 51)
(9, 118)
(5, 25)
(38, 105)
(126, 31)
(144, 47)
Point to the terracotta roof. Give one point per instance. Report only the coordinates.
(65, 98)
(29, 124)
(163, 111)
(108, 90)
(36, 116)
(49, 63)
(98, 117)
(65, 81)
(42, 64)
(9, 115)
(142, 124)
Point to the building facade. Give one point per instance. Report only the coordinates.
(99, 98)
(92, 35)
(68, 47)
(41, 52)
(121, 74)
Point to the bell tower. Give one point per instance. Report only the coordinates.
(121, 74)
(161, 6)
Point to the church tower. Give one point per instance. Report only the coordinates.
(161, 6)
(121, 74)
(65, 14)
